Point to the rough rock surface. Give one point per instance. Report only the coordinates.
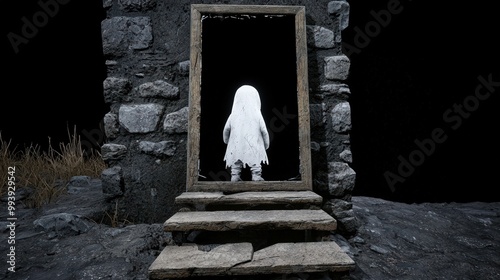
(425, 241)
(394, 241)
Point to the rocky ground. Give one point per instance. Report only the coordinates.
(67, 239)
(425, 241)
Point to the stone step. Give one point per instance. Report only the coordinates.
(303, 219)
(192, 260)
(249, 198)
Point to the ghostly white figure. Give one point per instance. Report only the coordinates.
(246, 135)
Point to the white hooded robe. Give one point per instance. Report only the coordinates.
(245, 131)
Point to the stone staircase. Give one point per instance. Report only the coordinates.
(250, 234)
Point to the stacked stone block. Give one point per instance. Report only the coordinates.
(333, 177)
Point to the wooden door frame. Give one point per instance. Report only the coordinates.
(193, 145)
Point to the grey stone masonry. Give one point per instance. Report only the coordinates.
(110, 151)
(112, 182)
(107, 4)
(341, 179)
(346, 155)
(341, 117)
(146, 46)
(111, 125)
(158, 149)
(176, 122)
(140, 118)
(137, 5)
(184, 66)
(341, 9)
(320, 37)
(335, 89)
(337, 206)
(337, 67)
(121, 34)
(115, 89)
(158, 88)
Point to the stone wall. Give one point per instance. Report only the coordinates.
(146, 46)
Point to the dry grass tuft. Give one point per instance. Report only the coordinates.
(47, 173)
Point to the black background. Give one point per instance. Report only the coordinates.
(54, 82)
(426, 60)
(423, 61)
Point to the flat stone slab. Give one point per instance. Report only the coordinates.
(303, 219)
(239, 259)
(191, 260)
(285, 258)
(269, 197)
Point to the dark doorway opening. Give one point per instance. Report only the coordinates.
(257, 50)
